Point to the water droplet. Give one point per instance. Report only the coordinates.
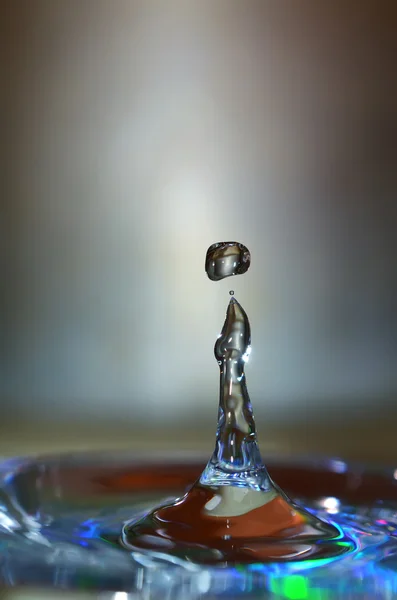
(225, 259)
(231, 292)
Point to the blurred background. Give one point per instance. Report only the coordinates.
(135, 134)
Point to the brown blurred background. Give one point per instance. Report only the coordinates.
(135, 134)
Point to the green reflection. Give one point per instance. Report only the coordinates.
(296, 587)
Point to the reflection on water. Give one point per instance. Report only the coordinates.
(74, 541)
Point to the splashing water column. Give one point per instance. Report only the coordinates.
(234, 512)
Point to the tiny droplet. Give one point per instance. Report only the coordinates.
(231, 292)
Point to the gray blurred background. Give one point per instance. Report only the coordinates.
(138, 132)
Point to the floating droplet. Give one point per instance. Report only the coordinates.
(231, 292)
(225, 259)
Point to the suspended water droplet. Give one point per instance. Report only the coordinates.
(225, 259)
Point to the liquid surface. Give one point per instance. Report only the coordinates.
(234, 512)
(60, 520)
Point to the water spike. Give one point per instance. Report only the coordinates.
(234, 512)
(236, 459)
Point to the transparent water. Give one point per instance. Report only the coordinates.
(225, 259)
(235, 512)
(61, 517)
